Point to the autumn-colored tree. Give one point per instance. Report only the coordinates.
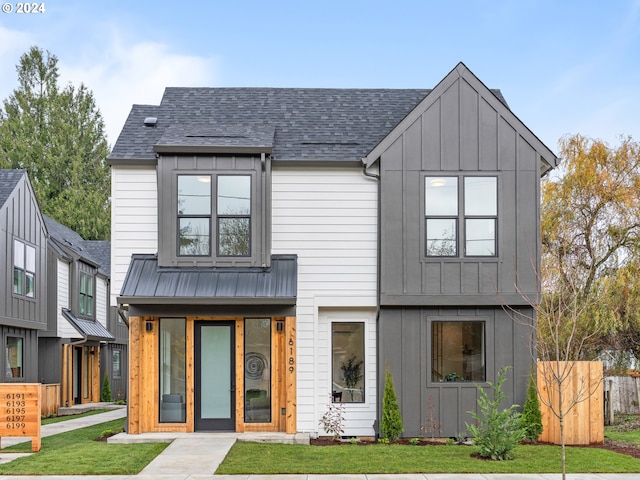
(590, 222)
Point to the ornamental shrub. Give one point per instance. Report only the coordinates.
(531, 420)
(391, 425)
(495, 430)
(106, 390)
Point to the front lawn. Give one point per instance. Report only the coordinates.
(261, 458)
(76, 453)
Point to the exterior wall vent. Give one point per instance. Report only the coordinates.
(150, 121)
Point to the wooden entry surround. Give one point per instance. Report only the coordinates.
(144, 403)
(90, 366)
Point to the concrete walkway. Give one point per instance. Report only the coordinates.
(195, 456)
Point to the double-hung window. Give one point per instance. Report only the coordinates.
(231, 227)
(24, 269)
(86, 294)
(447, 199)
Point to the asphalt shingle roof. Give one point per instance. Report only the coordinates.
(314, 124)
(96, 251)
(8, 181)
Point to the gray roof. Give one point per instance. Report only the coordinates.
(8, 181)
(147, 283)
(88, 329)
(97, 252)
(308, 123)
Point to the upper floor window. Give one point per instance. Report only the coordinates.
(234, 215)
(86, 294)
(194, 215)
(24, 269)
(232, 225)
(444, 203)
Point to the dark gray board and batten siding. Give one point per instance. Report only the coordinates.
(460, 129)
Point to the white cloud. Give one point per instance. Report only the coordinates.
(123, 73)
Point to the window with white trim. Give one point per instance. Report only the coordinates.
(24, 269)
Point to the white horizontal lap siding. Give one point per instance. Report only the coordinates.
(328, 217)
(134, 219)
(101, 301)
(64, 328)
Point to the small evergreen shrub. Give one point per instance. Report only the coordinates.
(531, 420)
(106, 390)
(391, 425)
(496, 430)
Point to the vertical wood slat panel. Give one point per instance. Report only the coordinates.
(290, 374)
(134, 375)
(584, 424)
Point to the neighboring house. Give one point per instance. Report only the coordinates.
(277, 249)
(23, 247)
(77, 349)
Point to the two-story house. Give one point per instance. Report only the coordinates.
(274, 250)
(23, 248)
(75, 348)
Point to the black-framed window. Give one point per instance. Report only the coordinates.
(24, 269)
(234, 215)
(86, 294)
(458, 351)
(116, 363)
(194, 215)
(480, 216)
(347, 362)
(446, 198)
(14, 355)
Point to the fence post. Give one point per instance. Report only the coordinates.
(610, 404)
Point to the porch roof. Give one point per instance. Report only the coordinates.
(146, 283)
(88, 329)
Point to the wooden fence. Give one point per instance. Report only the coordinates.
(623, 395)
(584, 423)
(50, 399)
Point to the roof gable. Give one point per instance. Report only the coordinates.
(9, 179)
(492, 97)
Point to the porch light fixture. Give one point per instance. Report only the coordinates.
(149, 326)
(279, 326)
(437, 182)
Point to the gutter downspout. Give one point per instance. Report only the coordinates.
(376, 423)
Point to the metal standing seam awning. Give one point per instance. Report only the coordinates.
(89, 330)
(149, 284)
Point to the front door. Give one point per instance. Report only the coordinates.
(215, 376)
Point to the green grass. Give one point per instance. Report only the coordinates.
(261, 458)
(76, 453)
(50, 420)
(622, 434)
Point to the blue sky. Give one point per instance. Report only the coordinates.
(564, 66)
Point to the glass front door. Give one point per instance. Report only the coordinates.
(215, 376)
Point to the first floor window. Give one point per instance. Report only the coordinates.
(24, 269)
(347, 358)
(14, 357)
(457, 351)
(116, 365)
(257, 370)
(173, 370)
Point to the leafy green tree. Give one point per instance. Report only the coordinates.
(391, 425)
(57, 135)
